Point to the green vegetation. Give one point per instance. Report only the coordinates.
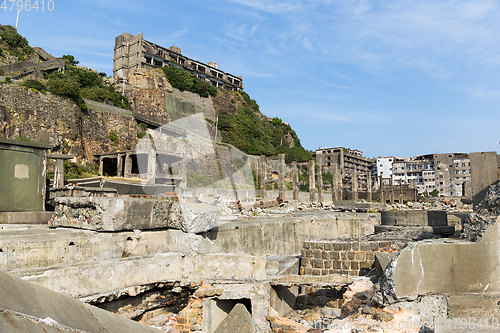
(23, 138)
(75, 171)
(35, 84)
(435, 193)
(142, 131)
(78, 83)
(17, 44)
(113, 137)
(183, 80)
(253, 134)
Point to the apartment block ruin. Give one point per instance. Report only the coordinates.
(134, 52)
(450, 174)
(347, 160)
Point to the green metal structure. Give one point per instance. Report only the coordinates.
(22, 176)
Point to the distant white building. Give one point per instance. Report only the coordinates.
(383, 167)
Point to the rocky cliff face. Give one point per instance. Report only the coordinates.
(23, 112)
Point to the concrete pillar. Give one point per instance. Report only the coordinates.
(128, 165)
(101, 166)
(59, 168)
(295, 180)
(391, 190)
(281, 176)
(151, 166)
(401, 191)
(354, 185)
(119, 166)
(335, 181)
(59, 173)
(312, 181)
(263, 177)
(182, 172)
(382, 197)
(369, 187)
(320, 184)
(341, 162)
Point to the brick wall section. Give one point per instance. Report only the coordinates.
(351, 257)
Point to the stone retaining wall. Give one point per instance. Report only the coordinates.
(351, 257)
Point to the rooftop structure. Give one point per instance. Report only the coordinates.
(132, 52)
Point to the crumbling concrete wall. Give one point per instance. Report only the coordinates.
(286, 235)
(484, 172)
(110, 276)
(443, 266)
(42, 248)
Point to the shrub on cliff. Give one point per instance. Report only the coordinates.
(35, 84)
(183, 80)
(253, 134)
(17, 44)
(78, 83)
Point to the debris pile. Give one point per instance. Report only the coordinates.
(486, 214)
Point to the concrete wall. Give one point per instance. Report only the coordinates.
(110, 276)
(286, 235)
(40, 247)
(484, 172)
(438, 267)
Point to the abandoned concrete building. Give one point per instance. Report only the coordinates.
(347, 160)
(450, 174)
(134, 52)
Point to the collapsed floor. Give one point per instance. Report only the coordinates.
(284, 267)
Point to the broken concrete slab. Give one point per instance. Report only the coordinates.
(193, 217)
(237, 321)
(108, 276)
(38, 246)
(382, 259)
(123, 213)
(444, 266)
(27, 307)
(429, 308)
(285, 235)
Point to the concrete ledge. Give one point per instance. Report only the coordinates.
(415, 218)
(447, 230)
(312, 280)
(108, 276)
(38, 247)
(25, 217)
(285, 235)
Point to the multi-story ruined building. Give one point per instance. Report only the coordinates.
(346, 159)
(444, 172)
(415, 171)
(452, 171)
(132, 52)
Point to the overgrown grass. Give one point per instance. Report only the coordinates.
(183, 80)
(75, 171)
(78, 83)
(255, 135)
(17, 45)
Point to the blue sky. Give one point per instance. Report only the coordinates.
(387, 77)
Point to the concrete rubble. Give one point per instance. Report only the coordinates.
(219, 265)
(122, 213)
